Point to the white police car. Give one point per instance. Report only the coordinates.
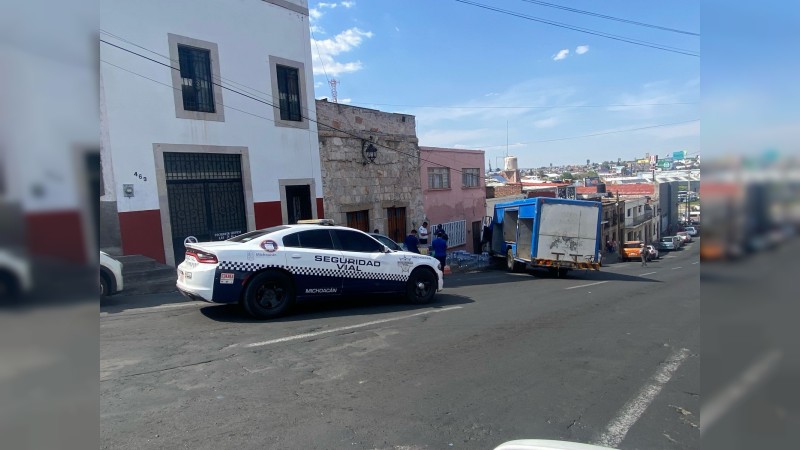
(267, 270)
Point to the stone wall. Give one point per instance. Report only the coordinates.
(351, 183)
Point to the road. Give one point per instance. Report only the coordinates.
(607, 357)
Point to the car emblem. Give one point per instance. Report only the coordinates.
(405, 263)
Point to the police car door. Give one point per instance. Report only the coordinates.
(311, 257)
(366, 268)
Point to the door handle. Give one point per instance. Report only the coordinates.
(296, 256)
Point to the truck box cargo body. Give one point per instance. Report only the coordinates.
(553, 233)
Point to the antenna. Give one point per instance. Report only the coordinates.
(333, 82)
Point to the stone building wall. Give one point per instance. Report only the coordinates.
(351, 183)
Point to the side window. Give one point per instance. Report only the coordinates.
(353, 241)
(292, 240)
(316, 239)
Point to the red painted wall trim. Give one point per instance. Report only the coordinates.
(140, 232)
(57, 234)
(320, 208)
(268, 214)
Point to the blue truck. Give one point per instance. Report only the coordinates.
(551, 233)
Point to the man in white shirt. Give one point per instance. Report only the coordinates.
(423, 233)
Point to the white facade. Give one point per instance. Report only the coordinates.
(142, 114)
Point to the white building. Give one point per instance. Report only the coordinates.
(204, 121)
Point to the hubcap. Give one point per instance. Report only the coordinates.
(270, 296)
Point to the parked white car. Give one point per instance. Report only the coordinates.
(691, 230)
(15, 275)
(110, 275)
(267, 270)
(652, 252)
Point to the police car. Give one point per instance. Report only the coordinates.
(267, 270)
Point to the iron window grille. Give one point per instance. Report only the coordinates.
(196, 81)
(438, 178)
(470, 177)
(289, 93)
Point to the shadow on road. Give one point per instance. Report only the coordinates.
(335, 307)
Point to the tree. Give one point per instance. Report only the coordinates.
(540, 173)
(566, 176)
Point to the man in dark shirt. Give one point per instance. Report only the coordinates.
(439, 247)
(412, 242)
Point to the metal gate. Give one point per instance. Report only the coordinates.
(206, 197)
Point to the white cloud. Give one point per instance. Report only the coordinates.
(314, 14)
(348, 4)
(324, 58)
(397, 28)
(561, 55)
(346, 100)
(318, 84)
(327, 5)
(581, 49)
(546, 123)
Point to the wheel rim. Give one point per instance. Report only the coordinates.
(271, 295)
(422, 288)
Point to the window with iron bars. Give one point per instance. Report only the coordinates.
(289, 93)
(438, 178)
(196, 82)
(471, 177)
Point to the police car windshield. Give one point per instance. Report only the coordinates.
(247, 237)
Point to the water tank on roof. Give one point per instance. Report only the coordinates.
(511, 162)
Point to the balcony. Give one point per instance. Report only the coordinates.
(631, 222)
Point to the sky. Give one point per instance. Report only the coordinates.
(476, 78)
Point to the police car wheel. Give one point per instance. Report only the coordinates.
(268, 295)
(421, 286)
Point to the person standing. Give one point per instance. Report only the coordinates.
(423, 233)
(440, 232)
(412, 242)
(643, 253)
(439, 249)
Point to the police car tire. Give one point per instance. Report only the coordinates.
(250, 300)
(425, 276)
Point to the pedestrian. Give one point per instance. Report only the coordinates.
(440, 231)
(643, 253)
(412, 242)
(439, 249)
(423, 233)
(608, 246)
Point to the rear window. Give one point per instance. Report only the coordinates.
(631, 246)
(666, 239)
(320, 239)
(247, 237)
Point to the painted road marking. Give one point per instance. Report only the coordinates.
(696, 262)
(724, 401)
(586, 285)
(676, 268)
(156, 308)
(648, 273)
(349, 327)
(630, 413)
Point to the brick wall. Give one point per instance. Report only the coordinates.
(503, 191)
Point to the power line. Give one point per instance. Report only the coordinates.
(593, 134)
(603, 16)
(621, 105)
(584, 30)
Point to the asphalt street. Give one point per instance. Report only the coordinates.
(609, 357)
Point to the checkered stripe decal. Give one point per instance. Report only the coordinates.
(313, 271)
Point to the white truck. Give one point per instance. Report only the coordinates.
(551, 233)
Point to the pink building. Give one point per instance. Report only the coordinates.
(454, 194)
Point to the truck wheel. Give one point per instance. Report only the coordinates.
(268, 295)
(421, 286)
(511, 265)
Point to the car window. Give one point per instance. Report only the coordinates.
(247, 237)
(353, 241)
(387, 242)
(310, 239)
